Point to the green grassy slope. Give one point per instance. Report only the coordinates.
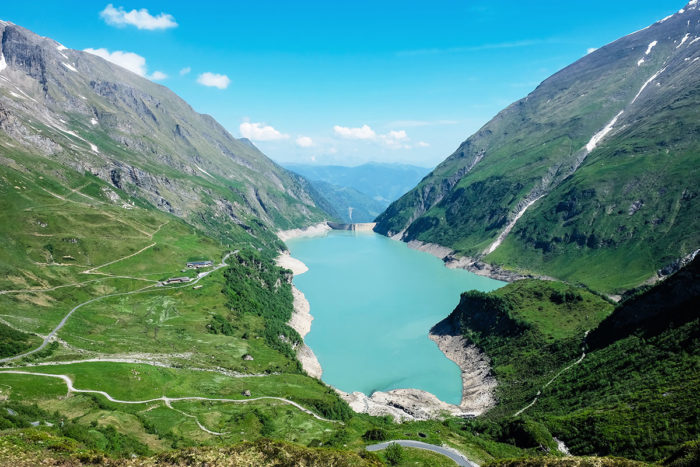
(633, 392)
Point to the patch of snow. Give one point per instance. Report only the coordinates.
(591, 145)
(82, 97)
(694, 41)
(16, 95)
(685, 38)
(651, 46)
(510, 226)
(75, 135)
(695, 59)
(70, 67)
(666, 18)
(93, 121)
(639, 63)
(25, 94)
(61, 48)
(647, 83)
(202, 170)
(3, 63)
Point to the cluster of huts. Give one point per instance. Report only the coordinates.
(190, 265)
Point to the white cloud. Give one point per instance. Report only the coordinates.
(304, 141)
(260, 132)
(422, 144)
(394, 139)
(396, 135)
(142, 19)
(129, 60)
(363, 132)
(591, 50)
(185, 70)
(158, 75)
(214, 80)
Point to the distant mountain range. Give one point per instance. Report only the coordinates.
(592, 177)
(359, 194)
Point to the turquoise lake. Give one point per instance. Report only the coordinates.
(374, 300)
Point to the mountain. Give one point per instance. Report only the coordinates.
(592, 177)
(383, 182)
(80, 113)
(348, 204)
(626, 389)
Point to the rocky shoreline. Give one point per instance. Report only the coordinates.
(301, 317)
(315, 230)
(478, 267)
(478, 384)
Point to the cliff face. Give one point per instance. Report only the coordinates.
(669, 305)
(591, 177)
(89, 115)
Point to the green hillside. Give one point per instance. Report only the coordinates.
(627, 389)
(601, 162)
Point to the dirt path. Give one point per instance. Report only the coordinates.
(539, 393)
(92, 270)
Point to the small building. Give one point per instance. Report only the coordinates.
(177, 280)
(198, 264)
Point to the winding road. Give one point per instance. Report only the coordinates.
(169, 400)
(166, 400)
(453, 454)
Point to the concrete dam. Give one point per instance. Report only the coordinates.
(359, 227)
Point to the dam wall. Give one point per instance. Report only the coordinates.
(359, 227)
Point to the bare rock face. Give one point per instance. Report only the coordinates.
(478, 383)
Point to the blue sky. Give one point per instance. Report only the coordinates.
(345, 82)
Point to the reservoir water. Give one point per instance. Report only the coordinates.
(374, 300)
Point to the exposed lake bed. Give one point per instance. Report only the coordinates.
(374, 301)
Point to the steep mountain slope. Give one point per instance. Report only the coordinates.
(86, 114)
(596, 167)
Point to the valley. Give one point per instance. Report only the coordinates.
(170, 295)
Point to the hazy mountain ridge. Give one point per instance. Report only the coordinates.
(382, 181)
(95, 117)
(360, 193)
(349, 204)
(600, 161)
